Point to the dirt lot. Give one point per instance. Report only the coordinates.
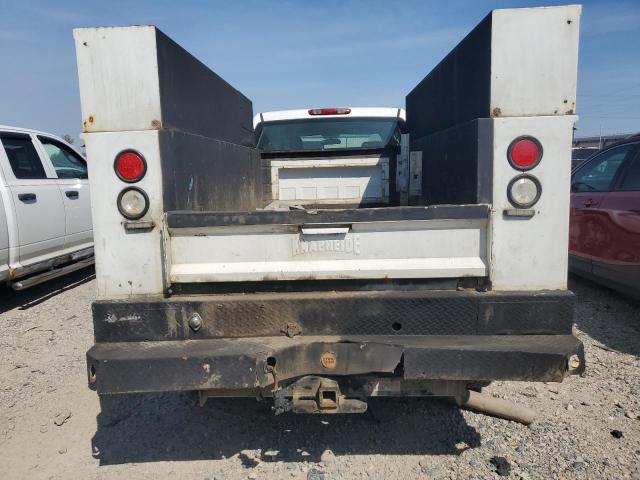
(53, 427)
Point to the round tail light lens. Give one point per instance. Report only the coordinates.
(524, 153)
(524, 191)
(133, 203)
(130, 166)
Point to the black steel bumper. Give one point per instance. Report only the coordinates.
(257, 363)
(251, 342)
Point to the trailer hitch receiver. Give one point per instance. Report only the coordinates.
(313, 394)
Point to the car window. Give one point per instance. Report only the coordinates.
(332, 133)
(66, 162)
(23, 157)
(631, 179)
(597, 174)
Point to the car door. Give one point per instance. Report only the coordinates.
(4, 235)
(71, 170)
(38, 210)
(621, 261)
(589, 237)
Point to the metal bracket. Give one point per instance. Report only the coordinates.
(519, 212)
(138, 227)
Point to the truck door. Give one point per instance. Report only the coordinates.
(4, 237)
(589, 235)
(37, 203)
(71, 170)
(621, 264)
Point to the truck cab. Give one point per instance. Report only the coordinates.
(331, 156)
(322, 256)
(45, 209)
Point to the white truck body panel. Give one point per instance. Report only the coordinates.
(379, 250)
(534, 61)
(138, 267)
(532, 254)
(106, 90)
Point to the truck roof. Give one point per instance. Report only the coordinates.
(277, 115)
(9, 128)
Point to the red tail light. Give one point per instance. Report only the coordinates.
(130, 166)
(329, 111)
(524, 153)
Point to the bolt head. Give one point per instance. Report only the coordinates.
(195, 322)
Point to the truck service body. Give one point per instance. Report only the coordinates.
(339, 267)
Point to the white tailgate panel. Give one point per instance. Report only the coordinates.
(335, 181)
(382, 250)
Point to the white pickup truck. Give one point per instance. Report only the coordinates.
(332, 156)
(45, 208)
(333, 254)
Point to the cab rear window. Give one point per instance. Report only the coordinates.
(328, 134)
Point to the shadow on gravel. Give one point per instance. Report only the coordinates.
(10, 299)
(608, 317)
(160, 427)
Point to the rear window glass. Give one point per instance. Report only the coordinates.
(328, 134)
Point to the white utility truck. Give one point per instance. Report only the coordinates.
(322, 256)
(45, 210)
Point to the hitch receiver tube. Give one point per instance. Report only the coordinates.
(312, 394)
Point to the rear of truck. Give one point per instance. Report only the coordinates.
(457, 277)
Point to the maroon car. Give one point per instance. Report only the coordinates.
(604, 233)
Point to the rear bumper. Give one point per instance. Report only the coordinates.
(148, 344)
(245, 363)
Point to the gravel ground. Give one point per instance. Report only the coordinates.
(53, 427)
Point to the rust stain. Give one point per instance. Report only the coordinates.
(496, 112)
(86, 123)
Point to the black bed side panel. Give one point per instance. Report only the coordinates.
(457, 164)
(195, 99)
(204, 174)
(206, 137)
(457, 90)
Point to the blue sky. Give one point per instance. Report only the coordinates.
(288, 54)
